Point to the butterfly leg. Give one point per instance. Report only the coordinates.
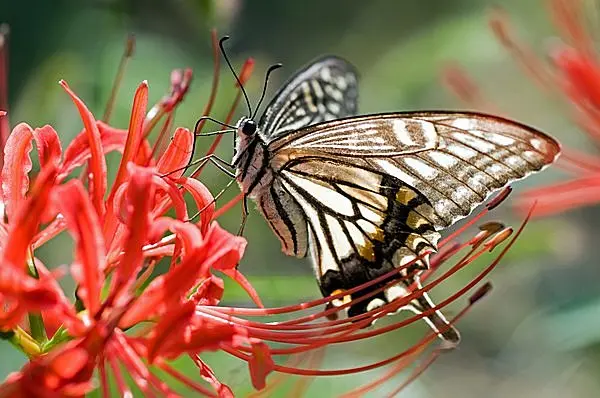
(197, 133)
(216, 161)
(201, 162)
(220, 164)
(215, 198)
(436, 320)
(244, 215)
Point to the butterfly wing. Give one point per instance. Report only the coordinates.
(326, 89)
(456, 160)
(374, 191)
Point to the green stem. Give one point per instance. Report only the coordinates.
(36, 323)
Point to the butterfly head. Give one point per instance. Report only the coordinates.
(246, 131)
(246, 127)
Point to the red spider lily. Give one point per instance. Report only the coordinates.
(120, 231)
(117, 240)
(573, 71)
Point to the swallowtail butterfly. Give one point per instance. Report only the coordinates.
(364, 194)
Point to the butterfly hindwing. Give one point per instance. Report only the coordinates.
(324, 90)
(358, 213)
(362, 224)
(286, 218)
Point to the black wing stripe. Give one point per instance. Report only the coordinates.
(285, 218)
(322, 210)
(275, 229)
(506, 148)
(310, 199)
(449, 174)
(331, 180)
(335, 249)
(513, 136)
(486, 156)
(319, 207)
(430, 185)
(336, 182)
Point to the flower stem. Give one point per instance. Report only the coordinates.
(36, 323)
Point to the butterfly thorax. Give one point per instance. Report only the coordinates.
(251, 159)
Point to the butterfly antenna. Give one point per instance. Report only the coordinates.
(223, 39)
(264, 91)
(197, 126)
(197, 133)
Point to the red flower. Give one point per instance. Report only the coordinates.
(117, 242)
(574, 72)
(118, 320)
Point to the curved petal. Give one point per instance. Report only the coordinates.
(90, 257)
(21, 293)
(175, 196)
(177, 155)
(166, 291)
(48, 144)
(134, 134)
(78, 151)
(134, 139)
(183, 331)
(204, 200)
(209, 292)
(17, 165)
(225, 253)
(26, 219)
(140, 193)
(226, 249)
(245, 284)
(98, 162)
(171, 326)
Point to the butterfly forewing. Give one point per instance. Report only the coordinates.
(324, 90)
(363, 136)
(455, 159)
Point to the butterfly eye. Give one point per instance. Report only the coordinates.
(249, 127)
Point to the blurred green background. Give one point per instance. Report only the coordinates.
(535, 336)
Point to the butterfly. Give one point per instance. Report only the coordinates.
(363, 195)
